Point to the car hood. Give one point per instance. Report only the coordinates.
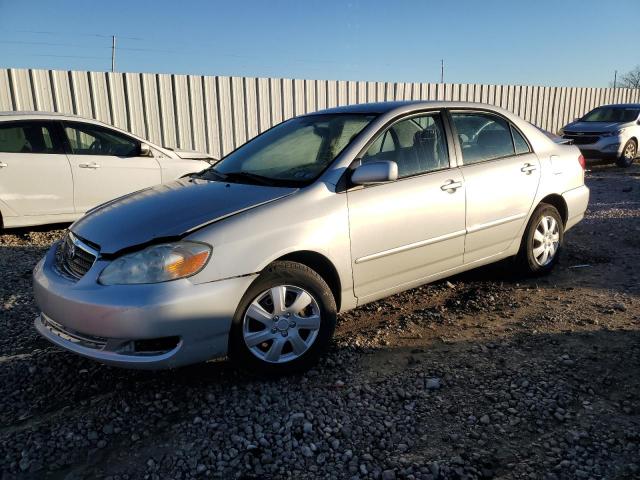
(592, 127)
(194, 155)
(169, 211)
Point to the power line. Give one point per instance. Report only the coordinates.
(307, 60)
(73, 33)
(63, 56)
(182, 51)
(75, 45)
(25, 42)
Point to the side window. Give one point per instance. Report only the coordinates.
(482, 136)
(27, 137)
(417, 145)
(94, 140)
(520, 143)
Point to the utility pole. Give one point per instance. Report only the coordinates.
(113, 53)
(442, 71)
(615, 78)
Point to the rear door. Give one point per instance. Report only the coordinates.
(501, 175)
(106, 164)
(35, 175)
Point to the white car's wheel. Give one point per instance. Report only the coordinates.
(629, 154)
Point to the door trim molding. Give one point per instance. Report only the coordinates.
(495, 223)
(411, 246)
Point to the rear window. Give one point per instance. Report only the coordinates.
(519, 142)
(26, 138)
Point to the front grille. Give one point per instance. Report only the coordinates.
(74, 257)
(581, 139)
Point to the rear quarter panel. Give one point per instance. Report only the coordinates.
(560, 171)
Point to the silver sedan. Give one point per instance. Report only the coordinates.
(254, 257)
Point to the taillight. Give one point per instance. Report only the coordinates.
(582, 163)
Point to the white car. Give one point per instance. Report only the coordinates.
(55, 167)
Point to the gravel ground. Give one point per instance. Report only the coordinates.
(481, 376)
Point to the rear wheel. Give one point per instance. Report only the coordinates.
(629, 154)
(542, 241)
(284, 321)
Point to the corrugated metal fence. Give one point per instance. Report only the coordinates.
(216, 114)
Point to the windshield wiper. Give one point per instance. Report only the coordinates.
(249, 176)
(209, 172)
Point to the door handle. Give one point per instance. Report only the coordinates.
(93, 165)
(3, 165)
(528, 168)
(451, 186)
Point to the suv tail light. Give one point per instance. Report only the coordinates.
(582, 163)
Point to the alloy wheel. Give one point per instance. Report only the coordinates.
(546, 240)
(281, 324)
(630, 151)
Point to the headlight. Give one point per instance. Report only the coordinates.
(158, 263)
(614, 133)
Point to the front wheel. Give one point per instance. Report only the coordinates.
(540, 248)
(284, 321)
(629, 154)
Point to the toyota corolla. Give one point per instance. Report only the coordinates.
(254, 257)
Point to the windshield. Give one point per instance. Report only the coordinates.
(295, 152)
(612, 114)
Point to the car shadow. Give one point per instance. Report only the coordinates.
(49, 391)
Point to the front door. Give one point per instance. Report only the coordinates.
(106, 164)
(405, 231)
(35, 176)
(501, 175)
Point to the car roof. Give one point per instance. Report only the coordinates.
(386, 107)
(622, 105)
(22, 115)
(25, 115)
(377, 108)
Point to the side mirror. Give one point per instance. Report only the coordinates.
(375, 172)
(145, 150)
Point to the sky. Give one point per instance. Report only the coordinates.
(541, 42)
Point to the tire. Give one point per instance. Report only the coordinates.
(629, 154)
(531, 260)
(271, 346)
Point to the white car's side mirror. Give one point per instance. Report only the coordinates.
(145, 150)
(375, 172)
